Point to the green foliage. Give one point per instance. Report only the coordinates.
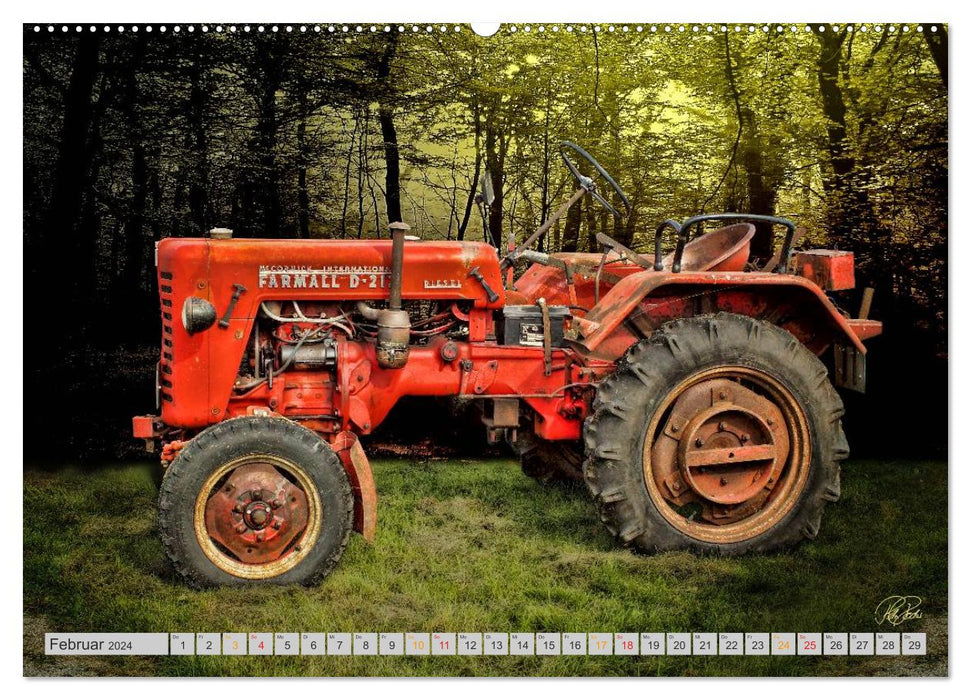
(233, 121)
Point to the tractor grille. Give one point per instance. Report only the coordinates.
(165, 365)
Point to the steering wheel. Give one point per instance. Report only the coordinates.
(587, 183)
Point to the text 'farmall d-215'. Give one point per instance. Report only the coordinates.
(686, 390)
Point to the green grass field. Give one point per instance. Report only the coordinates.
(474, 546)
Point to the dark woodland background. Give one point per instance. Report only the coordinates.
(131, 137)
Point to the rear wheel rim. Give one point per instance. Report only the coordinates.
(727, 455)
(258, 516)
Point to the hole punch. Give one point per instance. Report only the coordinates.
(486, 29)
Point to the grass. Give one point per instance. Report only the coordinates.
(475, 546)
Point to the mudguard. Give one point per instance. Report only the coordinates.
(738, 292)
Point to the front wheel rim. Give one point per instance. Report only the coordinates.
(258, 516)
(727, 454)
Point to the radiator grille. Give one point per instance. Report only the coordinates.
(165, 366)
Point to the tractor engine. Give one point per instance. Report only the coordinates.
(298, 343)
(326, 333)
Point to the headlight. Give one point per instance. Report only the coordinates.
(197, 315)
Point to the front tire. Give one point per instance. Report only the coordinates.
(255, 500)
(719, 434)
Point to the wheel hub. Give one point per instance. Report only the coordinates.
(724, 447)
(257, 513)
(726, 453)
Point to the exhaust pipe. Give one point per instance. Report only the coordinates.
(398, 229)
(394, 326)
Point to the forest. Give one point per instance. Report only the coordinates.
(304, 131)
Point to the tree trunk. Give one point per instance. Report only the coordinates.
(852, 218)
(347, 177)
(841, 160)
(303, 194)
(937, 43)
(132, 292)
(761, 194)
(495, 147)
(571, 229)
(198, 142)
(392, 173)
(477, 172)
(544, 197)
(265, 195)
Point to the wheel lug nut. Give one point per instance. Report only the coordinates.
(238, 508)
(276, 503)
(241, 528)
(723, 481)
(699, 442)
(721, 426)
(745, 437)
(259, 536)
(257, 495)
(277, 524)
(722, 395)
(674, 428)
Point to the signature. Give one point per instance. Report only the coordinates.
(897, 609)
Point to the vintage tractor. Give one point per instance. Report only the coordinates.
(686, 390)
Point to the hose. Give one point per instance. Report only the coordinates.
(324, 320)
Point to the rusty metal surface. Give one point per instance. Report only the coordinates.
(257, 513)
(504, 413)
(620, 302)
(358, 468)
(849, 368)
(729, 456)
(831, 270)
(724, 441)
(864, 328)
(145, 427)
(722, 250)
(170, 450)
(683, 230)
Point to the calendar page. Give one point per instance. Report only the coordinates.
(523, 349)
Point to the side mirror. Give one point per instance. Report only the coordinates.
(485, 188)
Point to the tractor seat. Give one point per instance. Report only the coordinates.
(722, 250)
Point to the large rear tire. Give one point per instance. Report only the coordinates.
(720, 434)
(255, 500)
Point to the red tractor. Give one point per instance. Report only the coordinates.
(686, 390)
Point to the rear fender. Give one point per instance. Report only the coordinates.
(646, 300)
